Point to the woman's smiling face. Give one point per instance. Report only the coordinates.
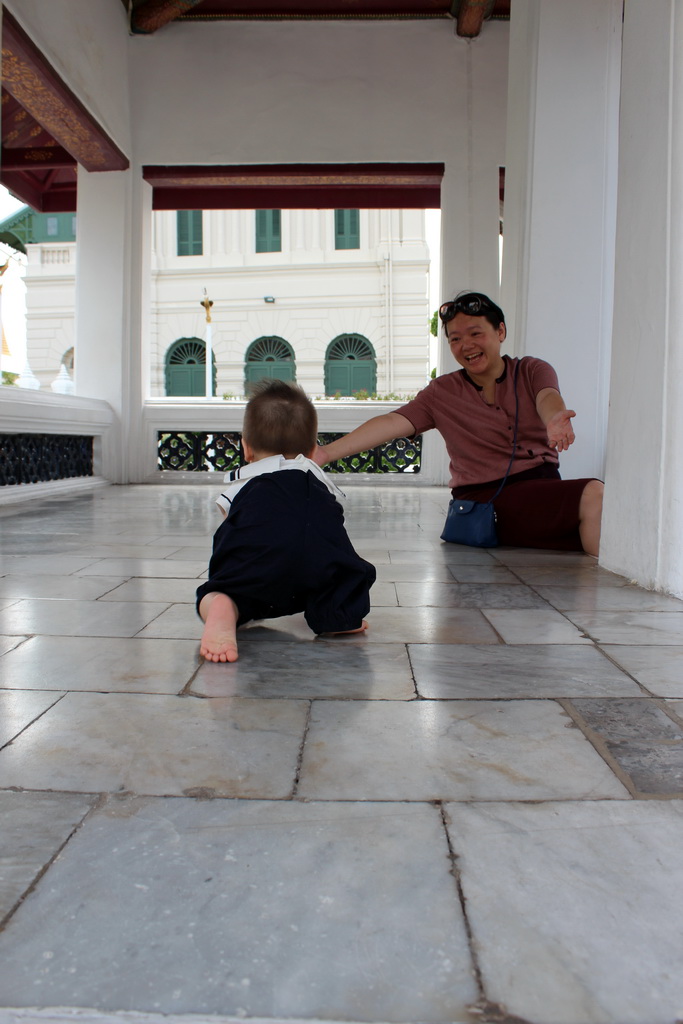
(475, 344)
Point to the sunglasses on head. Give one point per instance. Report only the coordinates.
(472, 304)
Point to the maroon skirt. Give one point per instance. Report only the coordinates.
(534, 512)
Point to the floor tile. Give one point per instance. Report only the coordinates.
(387, 625)
(429, 626)
(168, 591)
(95, 549)
(482, 574)
(104, 665)
(446, 554)
(569, 576)
(447, 671)
(74, 588)
(631, 627)
(608, 599)
(279, 910)
(46, 565)
(34, 827)
(159, 745)
(537, 556)
(190, 552)
(643, 740)
(383, 595)
(575, 908)
(18, 709)
(414, 573)
(8, 643)
(537, 626)
(322, 669)
(467, 595)
(78, 618)
(660, 669)
(159, 567)
(452, 750)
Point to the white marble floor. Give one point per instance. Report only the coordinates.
(472, 813)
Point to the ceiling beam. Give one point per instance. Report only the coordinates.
(295, 186)
(471, 15)
(149, 15)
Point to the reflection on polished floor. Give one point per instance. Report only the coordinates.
(473, 813)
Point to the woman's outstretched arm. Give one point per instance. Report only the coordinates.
(368, 435)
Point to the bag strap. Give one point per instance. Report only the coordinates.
(514, 440)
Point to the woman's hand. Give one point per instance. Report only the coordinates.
(560, 432)
(319, 456)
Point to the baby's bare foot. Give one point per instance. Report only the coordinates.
(219, 640)
(346, 632)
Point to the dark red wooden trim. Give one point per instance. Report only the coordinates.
(34, 83)
(309, 186)
(203, 198)
(150, 15)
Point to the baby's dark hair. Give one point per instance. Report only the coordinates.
(280, 419)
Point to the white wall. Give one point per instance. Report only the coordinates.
(342, 92)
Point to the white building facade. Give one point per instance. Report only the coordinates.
(346, 319)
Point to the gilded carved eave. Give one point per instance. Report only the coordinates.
(46, 129)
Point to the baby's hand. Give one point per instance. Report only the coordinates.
(560, 432)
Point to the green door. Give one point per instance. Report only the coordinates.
(186, 369)
(269, 358)
(350, 366)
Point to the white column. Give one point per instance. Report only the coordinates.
(560, 202)
(644, 484)
(473, 152)
(102, 303)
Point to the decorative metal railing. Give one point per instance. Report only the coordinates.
(36, 458)
(402, 455)
(203, 452)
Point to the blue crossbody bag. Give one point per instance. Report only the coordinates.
(474, 522)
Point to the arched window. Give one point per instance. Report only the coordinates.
(272, 358)
(186, 369)
(350, 366)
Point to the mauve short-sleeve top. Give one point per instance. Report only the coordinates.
(479, 436)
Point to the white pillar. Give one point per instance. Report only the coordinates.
(102, 303)
(473, 152)
(560, 202)
(644, 485)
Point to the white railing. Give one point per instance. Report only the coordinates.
(48, 256)
(216, 415)
(24, 411)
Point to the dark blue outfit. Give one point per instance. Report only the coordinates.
(283, 548)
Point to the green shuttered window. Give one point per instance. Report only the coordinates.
(347, 229)
(268, 233)
(189, 226)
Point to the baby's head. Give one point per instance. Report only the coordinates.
(280, 419)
